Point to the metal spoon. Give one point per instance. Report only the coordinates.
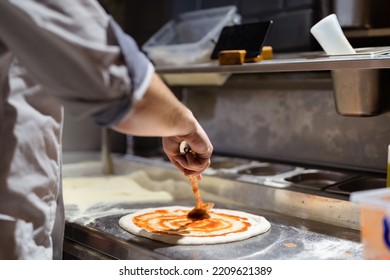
(200, 211)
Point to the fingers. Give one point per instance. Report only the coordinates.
(191, 164)
(175, 163)
(188, 169)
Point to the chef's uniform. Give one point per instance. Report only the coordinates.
(54, 56)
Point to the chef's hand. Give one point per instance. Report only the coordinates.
(160, 113)
(195, 162)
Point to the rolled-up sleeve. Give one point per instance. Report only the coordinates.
(78, 53)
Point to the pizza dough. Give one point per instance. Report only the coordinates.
(171, 225)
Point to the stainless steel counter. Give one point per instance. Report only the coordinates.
(304, 225)
(365, 58)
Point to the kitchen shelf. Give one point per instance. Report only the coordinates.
(367, 33)
(365, 58)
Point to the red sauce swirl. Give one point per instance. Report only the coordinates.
(175, 222)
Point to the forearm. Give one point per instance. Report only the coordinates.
(158, 113)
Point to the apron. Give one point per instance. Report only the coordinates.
(53, 54)
(31, 206)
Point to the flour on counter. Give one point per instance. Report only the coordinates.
(302, 244)
(85, 192)
(90, 217)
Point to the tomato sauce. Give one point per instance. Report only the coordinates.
(176, 222)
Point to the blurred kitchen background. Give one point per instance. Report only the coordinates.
(283, 117)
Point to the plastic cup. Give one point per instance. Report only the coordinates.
(374, 222)
(331, 37)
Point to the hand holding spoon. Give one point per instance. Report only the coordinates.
(200, 211)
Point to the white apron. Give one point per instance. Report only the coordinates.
(30, 152)
(54, 54)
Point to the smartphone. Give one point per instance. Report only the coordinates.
(247, 36)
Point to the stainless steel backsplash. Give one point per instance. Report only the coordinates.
(289, 118)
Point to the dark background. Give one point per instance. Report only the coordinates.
(290, 32)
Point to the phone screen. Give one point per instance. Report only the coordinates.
(248, 36)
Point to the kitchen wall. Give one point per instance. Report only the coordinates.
(289, 118)
(281, 117)
(290, 32)
(292, 18)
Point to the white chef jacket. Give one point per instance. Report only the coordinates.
(54, 55)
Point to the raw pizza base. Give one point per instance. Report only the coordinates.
(255, 225)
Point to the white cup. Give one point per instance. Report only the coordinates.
(331, 37)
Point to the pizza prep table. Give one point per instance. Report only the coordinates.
(304, 225)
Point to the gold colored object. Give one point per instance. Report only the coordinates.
(237, 57)
(232, 57)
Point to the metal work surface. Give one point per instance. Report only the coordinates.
(366, 58)
(293, 235)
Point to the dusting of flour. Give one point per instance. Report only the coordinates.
(88, 192)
